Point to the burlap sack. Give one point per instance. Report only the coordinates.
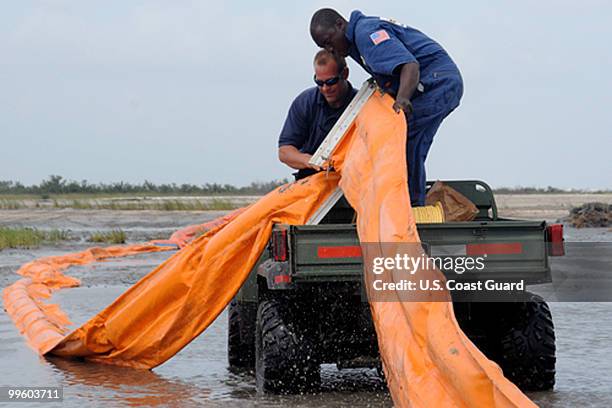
(457, 207)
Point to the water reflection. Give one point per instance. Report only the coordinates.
(124, 386)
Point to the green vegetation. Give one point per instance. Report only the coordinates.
(11, 204)
(29, 237)
(95, 203)
(160, 205)
(109, 237)
(57, 192)
(55, 185)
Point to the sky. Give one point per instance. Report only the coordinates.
(197, 91)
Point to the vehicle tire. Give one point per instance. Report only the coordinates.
(285, 359)
(240, 336)
(527, 345)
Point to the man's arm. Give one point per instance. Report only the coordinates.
(295, 159)
(384, 54)
(409, 79)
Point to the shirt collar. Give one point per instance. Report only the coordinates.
(356, 15)
(320, 97)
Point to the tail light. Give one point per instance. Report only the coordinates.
(554, 237)
(279, 245)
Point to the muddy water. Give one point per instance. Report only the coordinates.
(198, 375)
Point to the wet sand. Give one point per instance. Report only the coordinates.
(198, 375)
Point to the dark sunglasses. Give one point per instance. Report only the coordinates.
(329, 82)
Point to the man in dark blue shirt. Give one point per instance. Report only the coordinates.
(314, 112)
(406, 63)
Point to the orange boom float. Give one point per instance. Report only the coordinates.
(428, 360)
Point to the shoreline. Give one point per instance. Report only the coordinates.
(549, 207)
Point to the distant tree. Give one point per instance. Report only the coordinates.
(53, 185)
(148, 186)
(5, 186)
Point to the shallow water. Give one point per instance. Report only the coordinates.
(198, 375)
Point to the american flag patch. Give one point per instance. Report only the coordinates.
(379, 36)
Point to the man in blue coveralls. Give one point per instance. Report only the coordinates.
(314, 112)
(404, 62)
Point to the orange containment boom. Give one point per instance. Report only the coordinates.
(45, 325)
(428, 360)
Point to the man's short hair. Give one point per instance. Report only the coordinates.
(323, 57)
(325, 18)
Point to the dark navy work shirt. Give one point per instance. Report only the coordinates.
(381, 45)
(309, 120)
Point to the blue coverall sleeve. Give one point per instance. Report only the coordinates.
(382, 51)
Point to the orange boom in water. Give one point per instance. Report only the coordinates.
(428, 361)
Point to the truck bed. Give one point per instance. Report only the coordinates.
(330, 252)
(514, 249)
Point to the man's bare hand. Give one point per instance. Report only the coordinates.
(295, 159)
(409, 80)
(306, 163)
(403, 104)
